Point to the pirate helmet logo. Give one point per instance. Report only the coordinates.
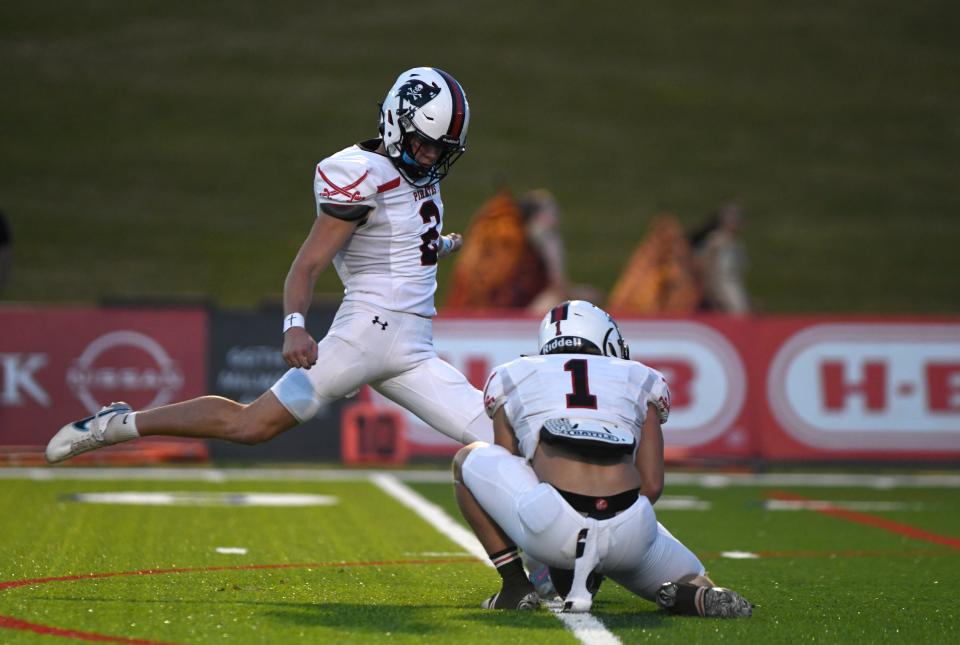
(417, 93)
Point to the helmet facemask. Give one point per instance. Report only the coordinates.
(412, 170)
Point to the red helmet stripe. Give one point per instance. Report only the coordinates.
(559, 312)
(459, 105)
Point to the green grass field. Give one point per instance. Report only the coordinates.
(167, 149)
(368, 569)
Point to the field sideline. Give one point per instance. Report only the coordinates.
(270, 555)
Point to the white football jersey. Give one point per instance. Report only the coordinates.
(391, 258)
(580, 387)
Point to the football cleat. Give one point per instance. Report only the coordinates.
(720, 602)
(711, 602)
(84, 435)
(528, 602)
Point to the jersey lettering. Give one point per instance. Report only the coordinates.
(429, 248)
(580, 397)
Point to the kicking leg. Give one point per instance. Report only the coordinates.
(214, 417)
(443, 398)
(516, 592)
(208, 417)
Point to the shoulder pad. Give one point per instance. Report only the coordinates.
(344, 179)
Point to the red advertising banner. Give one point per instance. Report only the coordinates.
(859, 389)
(707, 372)
(60, 364)
(778, 389)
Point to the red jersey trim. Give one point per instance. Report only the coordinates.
(390, 185)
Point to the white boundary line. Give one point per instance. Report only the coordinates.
(706, 480)
(586, 628)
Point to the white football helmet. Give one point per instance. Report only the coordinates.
(428, 103)
(578, 327)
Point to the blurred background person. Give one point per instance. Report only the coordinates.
(514, 257)
(721, 260)
(541, 222)
(660, 277)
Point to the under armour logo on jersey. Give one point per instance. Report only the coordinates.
(376, 321)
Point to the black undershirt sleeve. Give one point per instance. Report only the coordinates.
(347, 212)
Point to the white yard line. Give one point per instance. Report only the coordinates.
(586, 628)
(706, 480)
(433, 514)
(816, 480)
(739, 555)
(820, 505)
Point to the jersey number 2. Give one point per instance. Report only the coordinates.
(428, 250)
(580, 397)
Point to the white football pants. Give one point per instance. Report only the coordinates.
(392, 352)
(631, 548)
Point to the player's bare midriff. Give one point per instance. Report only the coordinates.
(571, 472)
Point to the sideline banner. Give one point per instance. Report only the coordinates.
(708, 376)
(779, 389)
(860, 389)
(59, 364)
(776, 389)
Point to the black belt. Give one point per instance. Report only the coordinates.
(600, 508)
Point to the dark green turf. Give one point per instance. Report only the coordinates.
(167, 148)
(820, 578)
(45, 536)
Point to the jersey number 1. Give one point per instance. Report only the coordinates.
(580, 397)
(428, 250)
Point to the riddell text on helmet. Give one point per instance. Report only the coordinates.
(565, 341)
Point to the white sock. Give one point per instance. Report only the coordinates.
(122, 427)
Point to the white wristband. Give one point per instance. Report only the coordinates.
(293, 320)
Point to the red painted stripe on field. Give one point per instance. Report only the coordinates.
(11, 584)
(872, 520)
(9, 622)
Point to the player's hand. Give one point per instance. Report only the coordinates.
(299, 348)
(454, 242)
